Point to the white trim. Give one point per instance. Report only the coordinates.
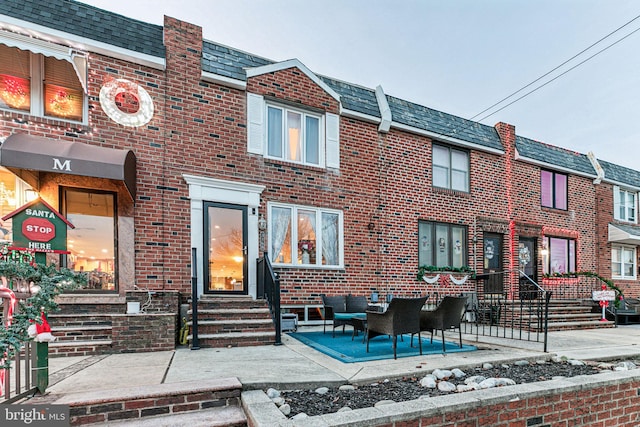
(385, 110)
(622, 184)
(596, 165)
(291, 63)
(447, 139)
(618, 235)
(80, 43)
(224, 81)
(553, 167)
(233, 192)
(359, 116)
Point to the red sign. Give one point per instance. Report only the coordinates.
(38, 229)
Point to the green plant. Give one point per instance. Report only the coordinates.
(45, 282)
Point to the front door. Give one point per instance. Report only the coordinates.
(225, 248)
(528, 267)
(493, 263)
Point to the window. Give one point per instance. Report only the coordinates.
(92, 241)
(305, 236)
(40, 85)
(442, 245)
(13, 193)
(623, 262)
(292, 134)
(624, 204)
(553, 190)
(450, 168)
(558, 255)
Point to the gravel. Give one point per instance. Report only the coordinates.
(409, 388)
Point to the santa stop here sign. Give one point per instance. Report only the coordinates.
(39, 227)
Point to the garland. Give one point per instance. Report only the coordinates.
(46, 283)
(609, 283)
(426, 269)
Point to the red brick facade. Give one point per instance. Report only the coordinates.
(383, 186)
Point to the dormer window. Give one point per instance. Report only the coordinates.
(293, 135)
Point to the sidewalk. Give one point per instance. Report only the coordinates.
(295, 365)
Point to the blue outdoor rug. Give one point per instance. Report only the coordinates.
(344, 349)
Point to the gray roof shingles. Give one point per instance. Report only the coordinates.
(552, 155)
(90, 22)
(620, 174)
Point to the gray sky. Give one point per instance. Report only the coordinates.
(456, 56)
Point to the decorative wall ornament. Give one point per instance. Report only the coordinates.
(126, 103)
(431, 280)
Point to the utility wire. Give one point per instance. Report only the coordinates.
(554, 69)
(555, 78)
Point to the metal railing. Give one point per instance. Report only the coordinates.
(21, 379)
(268, 284)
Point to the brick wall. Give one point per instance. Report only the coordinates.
(134, 333)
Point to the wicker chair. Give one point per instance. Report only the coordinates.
(341, 309)
(447, 315)
(402, 317)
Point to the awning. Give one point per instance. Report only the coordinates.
(622, 233)
(27, 156)
(46, 48)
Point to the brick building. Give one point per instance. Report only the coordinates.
(153, 141)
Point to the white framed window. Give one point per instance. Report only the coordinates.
(624, 205)
(305, 236)
(450, 168)
(623, 262)
(292, 134)
(42, 85)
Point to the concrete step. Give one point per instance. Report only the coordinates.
(137, 404)
(228, 326)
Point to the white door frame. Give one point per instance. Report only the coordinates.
(238, 193)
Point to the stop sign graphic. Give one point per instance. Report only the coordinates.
(38, 229)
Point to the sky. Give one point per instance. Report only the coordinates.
(457, 56)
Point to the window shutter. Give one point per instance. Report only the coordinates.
(255, 119)
(616, 202)
(332, 134)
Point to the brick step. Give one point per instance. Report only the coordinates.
(82, 333)
(207, 302)
(231, 313)
(80, 348)
(223, 326)
(235, 339)
(147, 403)
(561, 326)
(227, 416)
(79, 320)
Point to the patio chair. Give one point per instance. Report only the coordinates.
(447, 315)
(401, 317)
(342, 309)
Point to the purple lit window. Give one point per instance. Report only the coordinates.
(553, 190)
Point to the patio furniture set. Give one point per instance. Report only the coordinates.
(402, 316)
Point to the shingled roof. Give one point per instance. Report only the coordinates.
(553, 155)
(86, 21)
(620, 174)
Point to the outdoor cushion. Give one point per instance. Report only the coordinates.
(348, 316)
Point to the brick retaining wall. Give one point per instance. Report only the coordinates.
(144, 332)
(610, 398)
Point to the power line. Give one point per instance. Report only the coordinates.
(556, 77)
(554, 69)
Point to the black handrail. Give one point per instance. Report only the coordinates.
(269, 288)
(195, 343)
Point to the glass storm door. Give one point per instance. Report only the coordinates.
(493, 263)
(225, 244)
